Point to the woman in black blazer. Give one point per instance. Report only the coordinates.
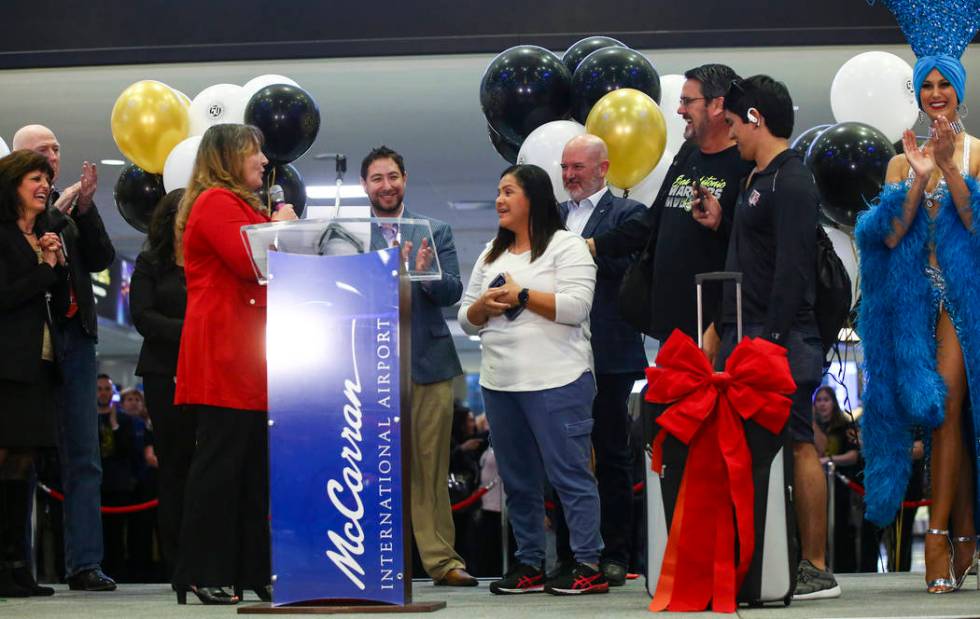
(33, 289)
(157, 300)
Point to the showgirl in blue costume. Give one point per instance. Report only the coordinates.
(920, 300)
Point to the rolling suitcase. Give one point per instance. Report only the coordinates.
(771, 575)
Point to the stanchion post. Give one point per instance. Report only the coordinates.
(504, 537)
(831, 499)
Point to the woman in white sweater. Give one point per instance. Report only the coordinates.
(529, 298)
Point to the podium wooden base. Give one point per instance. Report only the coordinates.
(326, 608)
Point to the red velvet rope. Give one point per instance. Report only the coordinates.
(105, 509)
(859, 490)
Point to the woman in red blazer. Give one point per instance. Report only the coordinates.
(221, 377)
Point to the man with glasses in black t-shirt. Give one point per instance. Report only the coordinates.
(708, 163)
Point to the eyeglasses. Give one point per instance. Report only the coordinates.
(686, 101)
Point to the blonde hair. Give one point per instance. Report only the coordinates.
(219, 163)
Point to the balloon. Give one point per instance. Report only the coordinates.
(580, 49)
(803, 141)
(183, 98)
(288, 118)
(875, 88)
(148, 120)
(523, 88)
(544, 147)
(291, 181)
(212, 106)
(670, 97)
(4, 149)
(137, 193)
(609, 69)
(646, 190)
(844, 247)
(633, 128)
(180, 163)
(848, 162)
(256, 84)
(507, 150)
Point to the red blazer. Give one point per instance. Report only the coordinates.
(222, 346)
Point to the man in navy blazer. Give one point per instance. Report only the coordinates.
(617, 347)
(434, 365)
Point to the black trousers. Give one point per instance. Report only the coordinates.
(224, 535)
(173, 442)
(610, 439)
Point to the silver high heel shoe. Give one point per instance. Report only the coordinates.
(965, 539)
(948, 584)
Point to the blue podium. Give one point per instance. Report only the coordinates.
(338, 353)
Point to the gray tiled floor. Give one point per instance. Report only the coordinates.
(891, 596)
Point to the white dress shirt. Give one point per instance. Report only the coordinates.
(579, 213)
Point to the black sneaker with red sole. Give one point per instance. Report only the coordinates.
(582, 579)
(520, 579)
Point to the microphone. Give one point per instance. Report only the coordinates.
(277, 196)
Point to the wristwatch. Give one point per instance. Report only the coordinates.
(522, 297)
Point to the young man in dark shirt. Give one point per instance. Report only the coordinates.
(679, 246)
(773, 245)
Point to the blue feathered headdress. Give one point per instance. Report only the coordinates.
(938, 31)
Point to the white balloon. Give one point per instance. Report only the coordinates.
(544, 147)
(4, 149)
(180, 163)
(875, 88)
(670, 96)
(845, 248)
(646, 190)
(213, 106)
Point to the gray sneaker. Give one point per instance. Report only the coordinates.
(814, 584)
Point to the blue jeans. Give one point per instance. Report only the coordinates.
(547, 433)
(78, 450)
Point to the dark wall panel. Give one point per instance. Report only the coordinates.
(69, 33)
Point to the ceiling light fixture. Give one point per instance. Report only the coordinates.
(472, 205)
(329, 192)
(112, 162)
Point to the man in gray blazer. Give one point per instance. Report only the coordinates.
(434, 365)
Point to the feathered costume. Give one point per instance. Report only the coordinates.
(900, 296)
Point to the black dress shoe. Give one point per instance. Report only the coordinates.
(91, 580)
(24, 579)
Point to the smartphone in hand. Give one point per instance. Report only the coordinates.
(696, 190)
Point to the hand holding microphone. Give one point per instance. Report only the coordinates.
(281, 210)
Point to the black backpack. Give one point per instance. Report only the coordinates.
(833, 302)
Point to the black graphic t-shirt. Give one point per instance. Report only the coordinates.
(682, 247)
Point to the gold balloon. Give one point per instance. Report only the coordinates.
(632, 126)
(147, 121)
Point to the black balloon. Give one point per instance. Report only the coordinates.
(609, 69)
(136, 194)
(580, 49)
(848, 162)
(288, 118)
(291, 181)
(507, 150)
(802, 143)
(523, 88)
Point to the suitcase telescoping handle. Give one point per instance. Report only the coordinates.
(719, 276)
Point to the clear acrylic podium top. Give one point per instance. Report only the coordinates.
(343, 236)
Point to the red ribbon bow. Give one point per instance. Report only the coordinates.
(707, 413)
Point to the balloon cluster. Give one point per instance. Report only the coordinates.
(535, 101)
(159, 129)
